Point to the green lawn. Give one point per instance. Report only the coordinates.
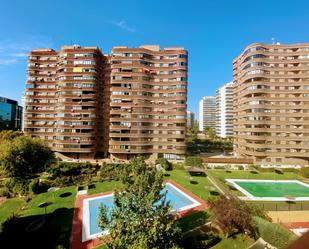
(242, 174)
(237, 242)
(196, 185)
(9, 207)
(59, 214)
(104, 186)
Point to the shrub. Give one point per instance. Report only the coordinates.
(237, 219)
(21, 188)
(4, 192)
(111, 171)
(34, 186)
(164, 163)
(240, 167)
(17, 186)
(304, 171)
(194, 161)
(273, 233)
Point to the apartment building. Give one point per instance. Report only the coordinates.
(148, 102)
(190, 119)
(224, 111)
(207, 112)
(64, 100)
(127, 103)
(10, 114)
(271, 103)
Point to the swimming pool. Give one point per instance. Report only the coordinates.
(272, 190)
(179, 201)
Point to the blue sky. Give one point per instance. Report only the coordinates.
(214, 32)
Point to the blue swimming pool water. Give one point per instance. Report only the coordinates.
(177, 201)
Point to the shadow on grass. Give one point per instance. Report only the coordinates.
(215, 193)
(66, 194)
(55, 231)
(193, 182)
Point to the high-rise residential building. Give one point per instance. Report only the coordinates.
(207, 112)
(224, 111)
(148, 102)
(130, 102)
(271, 105)
(10, 114)
(64, 100)
(190, 119)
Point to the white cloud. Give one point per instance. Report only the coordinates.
(7, 62)
(13, 51)
(123, 25)
(19, 54)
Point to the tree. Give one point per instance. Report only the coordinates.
(140, 218)
(23, 156)
(210, 132)
(194, 161)
(231, 214)
(164, 163)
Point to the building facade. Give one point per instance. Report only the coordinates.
(127, 103)
(10, 114)
(224, 111)
(207, 112)
(148, 102)
(271, 104)
(190, 119)
(64, 100)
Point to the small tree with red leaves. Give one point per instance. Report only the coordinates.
(231, 215)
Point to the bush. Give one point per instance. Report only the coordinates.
(4, 192)
(194, 161)
(17, 186)
(111, 171)
(304, 171)
(273, 233)
(240, 167)
(164, 163)
(34, 186)
(21, 188)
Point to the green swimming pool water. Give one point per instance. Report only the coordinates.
(274, 189)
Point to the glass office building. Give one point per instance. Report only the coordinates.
(10, 114)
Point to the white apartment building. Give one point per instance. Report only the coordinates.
(207, 112)
(224, 111)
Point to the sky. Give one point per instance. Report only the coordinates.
(213, 32)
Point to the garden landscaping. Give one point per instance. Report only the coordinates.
(55, 233)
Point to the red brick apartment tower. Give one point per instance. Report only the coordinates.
(271, 103)
(148, 102)
(64, 101)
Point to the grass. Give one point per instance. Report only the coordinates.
(195, 186)
(59, 214)
(104, 186)
(239, 241)
(56, 201)
(274, 233)
(242, 174)
(9, 207)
